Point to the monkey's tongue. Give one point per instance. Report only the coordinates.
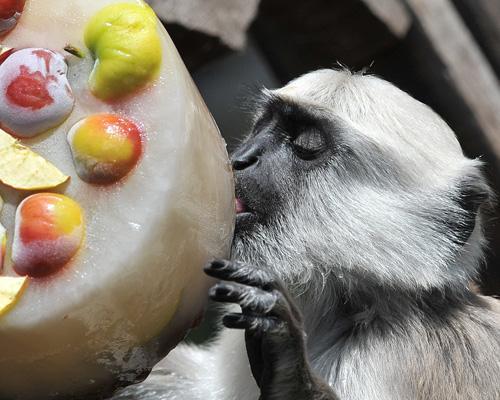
(240, 206)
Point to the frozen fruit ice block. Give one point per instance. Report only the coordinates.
(102, 273)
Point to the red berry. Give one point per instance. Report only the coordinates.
(9, 7)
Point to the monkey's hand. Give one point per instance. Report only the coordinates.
(274, 333)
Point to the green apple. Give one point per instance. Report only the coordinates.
(125, 41)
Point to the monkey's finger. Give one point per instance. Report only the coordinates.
(252, 322)
(254, 300)
(241, 273)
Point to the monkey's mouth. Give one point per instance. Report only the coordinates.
(244, 215)
(240, 206)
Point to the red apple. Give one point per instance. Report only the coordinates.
(35, 94)
(10, 12)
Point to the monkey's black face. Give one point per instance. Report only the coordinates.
(287, 141)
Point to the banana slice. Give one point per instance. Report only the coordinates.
(23, 169)
(11, 289)
(3, 240)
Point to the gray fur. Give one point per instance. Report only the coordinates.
(365, 248)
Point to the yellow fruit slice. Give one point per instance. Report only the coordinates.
(3, 240)
(11, 290)
(23, 169)
(3, 246)
(4, 51)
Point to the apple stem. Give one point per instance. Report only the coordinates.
(74, 51)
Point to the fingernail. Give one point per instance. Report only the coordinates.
(217, 265)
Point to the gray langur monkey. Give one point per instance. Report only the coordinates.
(359, 230)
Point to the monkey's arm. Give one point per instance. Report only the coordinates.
(274, 332)
(177, 377)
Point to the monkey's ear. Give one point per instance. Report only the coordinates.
(474, 193)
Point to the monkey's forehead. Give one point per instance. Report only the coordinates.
(352, 94)
(316, 86)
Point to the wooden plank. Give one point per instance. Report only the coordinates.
(227, 20)
(392, 13)
(464, 64)
(483, 19)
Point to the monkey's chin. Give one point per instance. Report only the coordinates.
(245, 222)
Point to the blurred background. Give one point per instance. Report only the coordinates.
(445, 53)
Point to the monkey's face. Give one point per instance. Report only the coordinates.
(287, 143)
(347, 174)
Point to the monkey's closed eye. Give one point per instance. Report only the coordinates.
(308, 144)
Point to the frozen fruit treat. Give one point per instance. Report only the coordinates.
(116, 191)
